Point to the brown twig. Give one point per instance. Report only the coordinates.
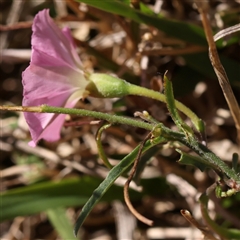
(219, 69)
(205, 231)
(61, 7)
(80, 123)
(172, 51)
(21, 108)
(126, 187)
(135, 4)
(15, 26)
(227, 31)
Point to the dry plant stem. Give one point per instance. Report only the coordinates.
(80, 123)
(187, 215)
(126, 187)
(61, 8)
(75, 7)
(135, 4)
(227, 31)
(21, 108)
(126, 27)
(173, 51)
(219, 70)
(15, 26)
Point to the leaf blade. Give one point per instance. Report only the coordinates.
(181, 30)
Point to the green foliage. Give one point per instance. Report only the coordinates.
(114, 173)
(181, 30)
(224, 233)
(198, 62)
(48, 195)
(54, 197)
(61, 222)
(195, 161)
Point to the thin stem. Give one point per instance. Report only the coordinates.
(224, 233)
(113, 119)
(101, 152)
(141, 91)
(205, 231)
(219, 69)
(233, 179)
(139, 216)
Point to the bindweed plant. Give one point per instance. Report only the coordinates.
(56, 80)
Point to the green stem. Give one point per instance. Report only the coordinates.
(106, 86)
(224, 233)
(145, 92)
(113, 119)
(233, 179)
(218, 165)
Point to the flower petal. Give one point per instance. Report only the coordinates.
(46, 125)
(49, 39)
(55, 77)
(42, 86)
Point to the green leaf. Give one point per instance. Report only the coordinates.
(195, 161)
(144, 161)
(110, 179)
(181, 30)
(182, 126)
(39, 197)
(61, 222)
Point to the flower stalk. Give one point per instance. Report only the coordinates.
(103, 85)
(113, 119)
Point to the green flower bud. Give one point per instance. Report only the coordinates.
(106, 86)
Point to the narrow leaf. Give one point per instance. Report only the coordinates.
(61, 222)
(195, 161)
(107, 183)
(36, 198)
(181, 30)
(182, 126)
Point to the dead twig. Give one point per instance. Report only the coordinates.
(61, 7)
(227, 31)
(15, 26)
(205, 231)
(139, 216)
(219, 69)
(172, 51)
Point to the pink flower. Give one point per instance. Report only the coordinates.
(55, 77)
